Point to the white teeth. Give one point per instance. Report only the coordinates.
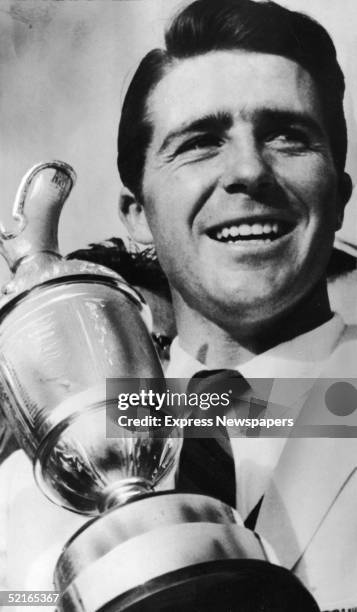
(244, 229)
(257, 229)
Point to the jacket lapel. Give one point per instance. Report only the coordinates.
(311, 472)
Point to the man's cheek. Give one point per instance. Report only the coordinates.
(318, 179)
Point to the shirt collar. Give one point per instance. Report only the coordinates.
(302, 357)
(301, 360)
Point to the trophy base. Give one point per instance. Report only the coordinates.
(232, 585)
(165, 552)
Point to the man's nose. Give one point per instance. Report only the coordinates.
(246, 170)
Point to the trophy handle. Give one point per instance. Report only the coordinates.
(37, 206)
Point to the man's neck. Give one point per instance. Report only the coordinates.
(223, 346)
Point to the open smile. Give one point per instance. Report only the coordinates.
(249, 232)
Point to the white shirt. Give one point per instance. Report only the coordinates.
(301, 358)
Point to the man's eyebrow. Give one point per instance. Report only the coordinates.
(289, 117)
(213, 121)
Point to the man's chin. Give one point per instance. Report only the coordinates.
(237, 308)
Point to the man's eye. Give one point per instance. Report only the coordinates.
(204, 141)
(293, 139)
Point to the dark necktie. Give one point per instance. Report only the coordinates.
(205, 466)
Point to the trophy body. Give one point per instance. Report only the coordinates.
(66, 327)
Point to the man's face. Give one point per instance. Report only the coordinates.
(240, 188)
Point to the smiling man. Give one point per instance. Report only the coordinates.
(242, 188)
(238, 184)
(232, 147)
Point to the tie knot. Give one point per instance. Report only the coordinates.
(218, 381)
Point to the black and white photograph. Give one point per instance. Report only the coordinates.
(178, 305)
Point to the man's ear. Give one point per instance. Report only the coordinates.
(345, 188)
(132, 213)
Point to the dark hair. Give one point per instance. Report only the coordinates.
(140, 268)
(209, 25)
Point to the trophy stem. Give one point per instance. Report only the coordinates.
(120, 492)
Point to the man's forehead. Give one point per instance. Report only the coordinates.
(230, 81)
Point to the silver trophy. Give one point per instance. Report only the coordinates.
(66, 327)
